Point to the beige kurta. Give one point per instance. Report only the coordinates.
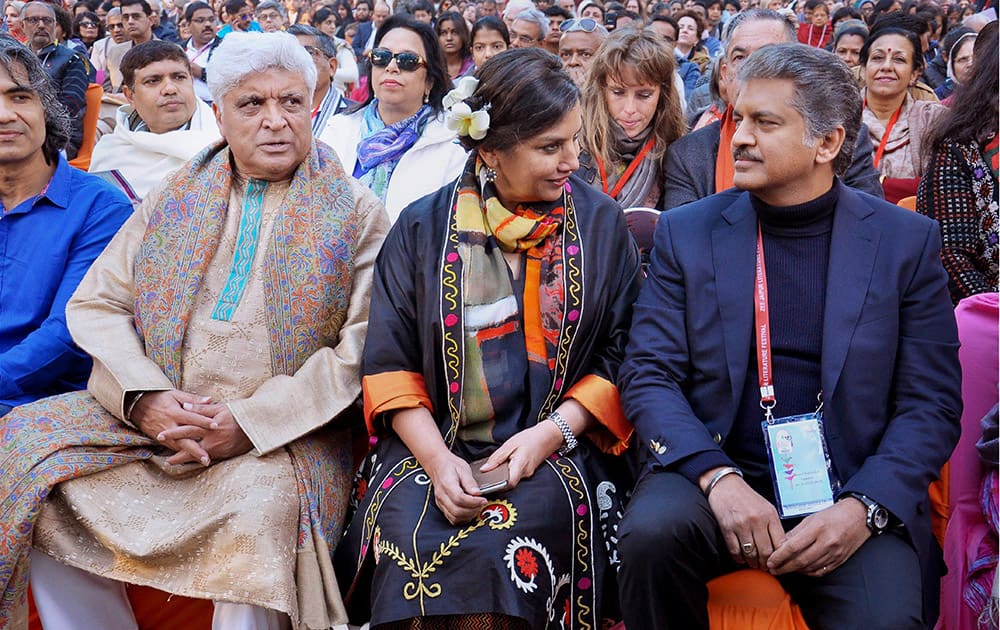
(227, 532)
(904, 152)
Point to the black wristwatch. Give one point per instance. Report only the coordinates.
(878, 517)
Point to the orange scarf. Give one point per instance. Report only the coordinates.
(724, 170)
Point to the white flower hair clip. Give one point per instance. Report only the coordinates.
(461, 119)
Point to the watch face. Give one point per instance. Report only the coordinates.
(880, 518)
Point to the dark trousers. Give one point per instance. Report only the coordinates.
(671, 546)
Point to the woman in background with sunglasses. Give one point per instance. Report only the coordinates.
(87, 29)
(499, 316)
(632, 113)
(396, 141)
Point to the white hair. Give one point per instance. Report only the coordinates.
(242, 54)
(535, 17)
(516, 6)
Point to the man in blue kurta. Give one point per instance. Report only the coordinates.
(54, 221)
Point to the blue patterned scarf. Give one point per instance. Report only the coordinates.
(382, 146)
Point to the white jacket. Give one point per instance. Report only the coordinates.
(435, 160)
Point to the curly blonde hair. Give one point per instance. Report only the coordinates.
(646, 54)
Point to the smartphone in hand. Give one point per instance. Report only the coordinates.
(492, 481)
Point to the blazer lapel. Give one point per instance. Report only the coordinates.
(853, 246)
(733, 256)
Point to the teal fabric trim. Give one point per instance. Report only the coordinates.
(246, 249)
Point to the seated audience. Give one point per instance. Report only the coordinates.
(226, 333)
(936, 72)
(138, 29)
(477, 368)
(959, 66)
(701, 163)
(689, 46)
(454, 39)
(116, 35)
(271, 16)
(528, 29)
(390, 141)
(959, 189)
(239, 18)
(327, 100)
(556, 15)
(489, 37)
(848, 44)
(688, 72)
(817, 32)
(163, 126)
(87, 29)
(897, 123)
(799, 436)
(632, 113)
(202, 44)
(580, 40)
(67, 71)
(12, 20)
(56, 220)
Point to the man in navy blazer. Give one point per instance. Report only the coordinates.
(859, 319)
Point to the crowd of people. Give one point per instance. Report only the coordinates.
(457, 315)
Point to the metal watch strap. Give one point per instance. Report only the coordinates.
(569, 440)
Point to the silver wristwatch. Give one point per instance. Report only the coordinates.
(569, 440)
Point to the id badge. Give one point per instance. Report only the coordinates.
(799, 464)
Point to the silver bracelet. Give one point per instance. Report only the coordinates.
(717, 477)
(569, 440)
(128, 412)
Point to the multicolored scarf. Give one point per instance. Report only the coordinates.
(307, 277)
(382, 146)
(490, 316)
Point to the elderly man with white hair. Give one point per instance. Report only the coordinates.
(210, 455)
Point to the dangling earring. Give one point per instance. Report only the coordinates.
(491, 174)
(427, 98)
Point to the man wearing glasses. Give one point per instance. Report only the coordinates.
(580, 40)
(138, 29)
(68, 72)
(327, 99)
(528, 30)
(240, 14)
(201, 45)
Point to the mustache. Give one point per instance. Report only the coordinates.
(742, 153)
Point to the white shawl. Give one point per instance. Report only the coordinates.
(144, 158)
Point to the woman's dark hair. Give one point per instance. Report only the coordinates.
(812, 5)
(972, 116)
(437, 68)
(461, 29)
(845, 13)
(527, 91)
(336, 5)
(881, 8)
(490, 23)
(88, 16)
(910, 36)
(854, 30)
(323, 14)
(64, 20)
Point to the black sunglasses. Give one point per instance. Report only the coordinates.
(406, 61)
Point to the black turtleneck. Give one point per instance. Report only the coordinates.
(796, 254)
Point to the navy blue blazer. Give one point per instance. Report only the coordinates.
(890, 373)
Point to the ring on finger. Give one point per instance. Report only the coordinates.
(748, 548)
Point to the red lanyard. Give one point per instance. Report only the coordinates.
(646, 148)
(762, 327)
(885, 135)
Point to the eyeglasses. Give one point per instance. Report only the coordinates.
(40, 19)
(88, 24)
(587, 25)
(406, 61)
(316, 53)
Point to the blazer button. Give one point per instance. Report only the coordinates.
(718, 438)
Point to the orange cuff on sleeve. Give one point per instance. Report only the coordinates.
(389, 391)
(600, 397)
